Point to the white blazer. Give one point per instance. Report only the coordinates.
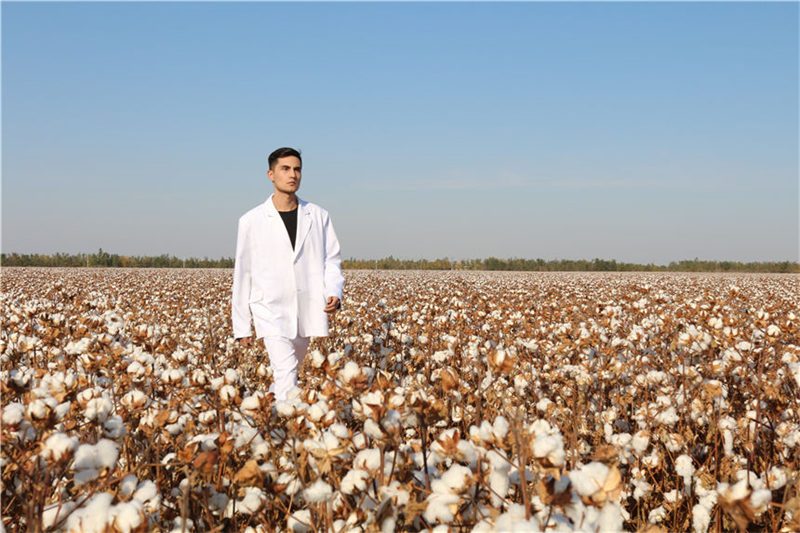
(285, 290)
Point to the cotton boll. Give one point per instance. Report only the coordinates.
(589, 478)
(550, 448)
(147, 494)
(128, 485)
(610, 518)
(657, 515)
(684, 466)
(300, 521)
(13, 414)
(759, 499)
(55, 512)
(440, 508)
(114, 427)
(369, 459)
(231, 376)
(318, 410)
(93, 517)
(354, 481)
(126, 516)
(500, 427)
(58, 446)
(457, 477)
(97, 409)
(317, 492)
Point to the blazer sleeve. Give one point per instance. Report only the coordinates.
(334, 280)
(240, 295)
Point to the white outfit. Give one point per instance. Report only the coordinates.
(285, 290)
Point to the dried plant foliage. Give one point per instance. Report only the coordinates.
(442, 400)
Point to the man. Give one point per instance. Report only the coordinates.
(287, 273)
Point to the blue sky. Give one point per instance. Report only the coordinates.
(644, 132)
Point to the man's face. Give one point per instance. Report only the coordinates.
(286, 175)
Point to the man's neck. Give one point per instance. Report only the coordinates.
(284, 201)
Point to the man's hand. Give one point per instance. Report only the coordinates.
(245, 342)
(333, 304)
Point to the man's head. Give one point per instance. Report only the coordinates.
(285, 169)
(282, 152)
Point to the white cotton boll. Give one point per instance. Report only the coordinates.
(372, 429)
(500, 428)
(98, 409)
(317, 359)
(319, 491)
(37, 410)
(252, 404)
(610, 518)
(739, 490)
(657, 515)
(253, 499)
(172, 376)
(318, 410)
(114, 427)
(55, 512)
(13, 414)
(671, 496)
(126, 516)
(589, 478)
(286, 408)
(335, 357)
(543, 404)
(551, 448)
(457, 477)
(701, 518)
(499, 484)
(759, 498)
(231, 376)
(350, 370)
(440, 508)
(181, 526)
(684, 466)
(369, 459)
(300, 521)
(744, 346)
(293, 484)
(93, 517)
(354, 481)
(339, 430)
(58, 446)
(83, 477)
(147, 493)
(776, 478)
(207, 417)
(227, 393)
(667, 417)
(128, 485)
(96, 456)
(62, 410)
(641, 488)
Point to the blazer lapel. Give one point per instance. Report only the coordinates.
(303, 225)
(274, 219)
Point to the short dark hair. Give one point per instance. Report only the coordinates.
(282, 152)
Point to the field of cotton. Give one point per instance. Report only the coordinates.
(450, 401)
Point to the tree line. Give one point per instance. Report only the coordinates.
(104, 259)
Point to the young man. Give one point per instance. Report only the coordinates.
(287, 273)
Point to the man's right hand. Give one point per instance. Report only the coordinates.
(245, 342)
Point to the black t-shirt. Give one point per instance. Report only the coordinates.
(290, 221)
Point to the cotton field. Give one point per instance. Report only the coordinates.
(450, 401)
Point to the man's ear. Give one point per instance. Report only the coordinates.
(270, 175)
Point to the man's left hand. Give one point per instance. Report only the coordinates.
(333, 304)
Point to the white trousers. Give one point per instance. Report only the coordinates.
(285, 356)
